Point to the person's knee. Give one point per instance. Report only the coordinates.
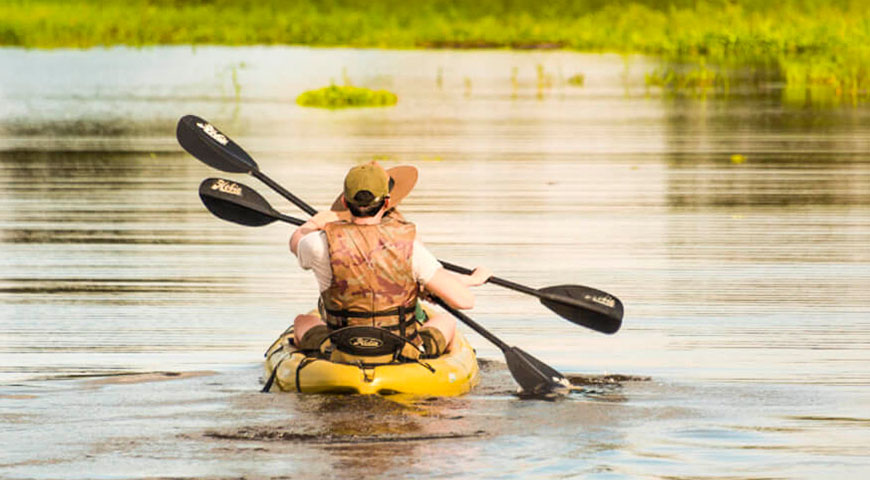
(445, 323)
(313, 337)
(307, 329)
(434, 341)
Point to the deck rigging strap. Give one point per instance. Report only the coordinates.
(402, 311)
(304, 363)
(271, 379)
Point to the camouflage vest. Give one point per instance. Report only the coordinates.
(372, 278)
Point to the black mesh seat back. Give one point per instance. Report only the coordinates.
(366, 341)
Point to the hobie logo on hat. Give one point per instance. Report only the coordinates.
(213, 133)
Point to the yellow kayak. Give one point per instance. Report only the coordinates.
(454, 373)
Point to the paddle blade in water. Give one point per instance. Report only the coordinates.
(208, 144)
(534, 376)
(236, 203)
(600, 311)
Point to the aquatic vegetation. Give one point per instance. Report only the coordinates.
(233, 72)
(346, 96)
(695, 78)
(578, 80)
(828, 79)
(810, 80)
(545, 80)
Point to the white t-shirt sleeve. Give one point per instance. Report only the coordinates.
(313, 254)
(424, 263)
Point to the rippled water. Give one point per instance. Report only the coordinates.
(745, 284)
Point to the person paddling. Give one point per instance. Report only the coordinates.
(371, 270)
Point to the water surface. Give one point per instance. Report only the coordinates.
(745, 284)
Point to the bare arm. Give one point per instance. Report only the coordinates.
(453, 288)
(313, 224)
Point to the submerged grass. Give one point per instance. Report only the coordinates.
(819, 43)
(346, 96)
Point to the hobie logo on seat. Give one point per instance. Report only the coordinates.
(213, 133)
(224, 186)
(365, 342)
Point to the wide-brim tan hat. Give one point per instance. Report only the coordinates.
(402, 178)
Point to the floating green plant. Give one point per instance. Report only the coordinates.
(577, 80)
(346, 96)
(737, 159)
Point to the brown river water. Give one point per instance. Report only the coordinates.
(132, 322)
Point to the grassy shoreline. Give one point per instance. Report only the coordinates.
(709, 27)
(816, 42)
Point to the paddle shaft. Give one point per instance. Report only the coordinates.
(534, 376)
(283, 192)
(292, 220)
(528, 290)
(493, 279)
(474, 325)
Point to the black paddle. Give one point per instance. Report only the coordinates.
(205, 142)
(241, 204)
(584, 306)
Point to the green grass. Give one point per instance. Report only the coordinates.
(346, 96)
(818, 43)
(711, 27)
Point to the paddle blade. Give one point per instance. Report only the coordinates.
(535, 377)
(591, 308)
(208, 144)
(236, 203)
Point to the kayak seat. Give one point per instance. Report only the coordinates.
(366, 343)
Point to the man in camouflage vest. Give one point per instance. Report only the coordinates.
(371, 268)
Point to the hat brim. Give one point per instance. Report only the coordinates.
(404, 178)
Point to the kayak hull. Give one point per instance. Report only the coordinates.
(452, 374)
